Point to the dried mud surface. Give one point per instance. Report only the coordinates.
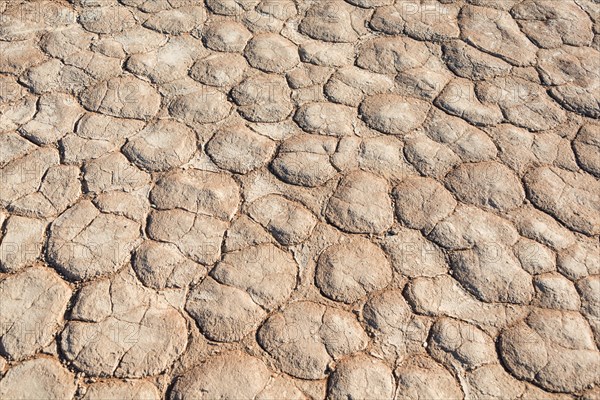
(298, 199)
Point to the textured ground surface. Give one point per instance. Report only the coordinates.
(278, 199)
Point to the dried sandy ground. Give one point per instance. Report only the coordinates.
(279, 199)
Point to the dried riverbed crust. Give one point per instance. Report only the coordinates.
(299, 199)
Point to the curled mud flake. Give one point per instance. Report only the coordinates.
(125, 97)
(430, 20)
(393, 114)
(271, 53)
(202, 105)
(113, 172)
(56, 116)
(122, 390)
(33, 303)
(390, 55)
(166, 64)
(140, 334)
(468, 62)
(106, 19)
(326, 119)
(564, 362)
(420, 377)
(571, 197)
(413, 255)
(219, 70)
(230, 7)
(239, 149)
(523, 103)
(361, 376)
(422, 202)
(227, 36)
(289, 222)
(84, 243)
(429, 157)
(361, 204)
(177, 21)
(495, 32)
(396, 333)
(41, 378)
(207, 193)
(460, 99)
(551, 27)
(18, 56)
(161, 146)
(263, 98)
(329, 22)
(305, 337)
(457, 344)
(197, 236)
(230, 375)
(223, 313)
(304, 160)
(468, 142)
(161, 265)
(21, 243)
(351, 270)
(489, 185)
(587, 148)
(265, 272)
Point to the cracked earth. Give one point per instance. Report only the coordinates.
(299, 199)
